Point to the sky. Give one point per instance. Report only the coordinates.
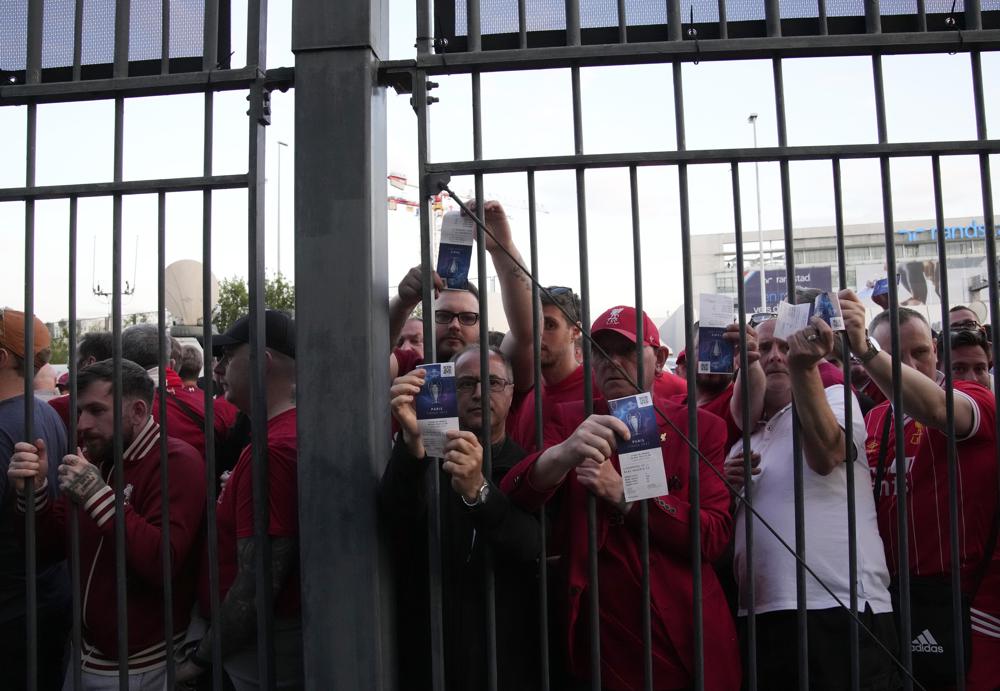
(625, 109)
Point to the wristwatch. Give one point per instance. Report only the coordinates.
(873, 350)
(481, 496)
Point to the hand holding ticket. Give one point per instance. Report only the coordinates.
(640, 457)
(437, 407)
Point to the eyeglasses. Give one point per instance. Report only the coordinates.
(469, 384)
(966, 325)
(464, 318)
(760, 317)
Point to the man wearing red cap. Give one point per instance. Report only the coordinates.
(52, 580)
(580, 460)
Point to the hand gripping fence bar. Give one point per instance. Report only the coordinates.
(733, 490)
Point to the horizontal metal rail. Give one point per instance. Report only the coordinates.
(152, 85)
(702, 50)
(107, 189)
(714, 156)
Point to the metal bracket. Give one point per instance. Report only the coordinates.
(279, 78)
(436, 182)
(398, 75)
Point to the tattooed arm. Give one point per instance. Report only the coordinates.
(238, 612)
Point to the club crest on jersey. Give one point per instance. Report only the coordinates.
(127, 493)
(918, 433)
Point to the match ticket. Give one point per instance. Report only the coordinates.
(715, 355)
(827, 308)
(791, 318)
(455, 251)
(437, 406)
(640, 458)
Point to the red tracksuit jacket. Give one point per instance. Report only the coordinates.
(671, 582)
(143, 551)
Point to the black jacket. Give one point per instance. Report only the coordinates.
(470, 538)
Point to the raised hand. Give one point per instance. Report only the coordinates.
(78, 478)
(401, 402)
(463, 460)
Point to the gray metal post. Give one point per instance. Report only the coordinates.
(340, 252)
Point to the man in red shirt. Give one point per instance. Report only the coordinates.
(85, 479)
(93, 346)
(185, 406)
(562, 374)
(580, 460)
(926, 462)
(237, 541)
(971, 356)
(717, 391)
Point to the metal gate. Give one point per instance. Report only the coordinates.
(341, 77)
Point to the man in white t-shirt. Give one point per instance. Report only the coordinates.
(791, 369)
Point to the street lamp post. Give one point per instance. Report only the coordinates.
(280, 146)
(760, 232)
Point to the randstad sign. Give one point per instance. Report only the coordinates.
(974, 231)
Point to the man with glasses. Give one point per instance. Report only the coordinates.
(477, 520)
(456, 312)
(579, 461)
(961, 317)
(925, 438)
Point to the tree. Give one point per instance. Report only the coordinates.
(234, 299)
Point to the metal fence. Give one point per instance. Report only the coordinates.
(341, 78)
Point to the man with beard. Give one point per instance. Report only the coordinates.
(477, 519)
(456, 312)
(85, 481)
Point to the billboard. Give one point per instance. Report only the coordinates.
(187, 22)
(775, 281)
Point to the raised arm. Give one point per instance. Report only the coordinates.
(756, 379)
(515, 291)
(923, 399)
(823, 439)
(407, 297)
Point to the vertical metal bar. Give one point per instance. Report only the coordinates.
(990, 222)
(852, 452)
(873, 17)
(921, 15)
(484, 369)
(903, 563)
(473, 26)
(121, 571)
(122, 14)
(973, 15)
(259, 117)
(593, 595)
(572, 22)
(798, 474)
(340, 203)
(821, 17)
(622, 23)
(694, 479)
(210, 41)
(34, 76)
(165, 37)
(772, 17)
(522, 24)
(647, 622)
(750, 604)
(77, 39)
(949, 393)
(674, 21)
(536, 319)
(211, 474)
(74, 513)
(161, 391)
(420, 105)
(723, 20)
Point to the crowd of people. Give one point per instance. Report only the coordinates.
(75, 482)
(532, 506)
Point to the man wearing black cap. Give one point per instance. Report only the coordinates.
(237, 544)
